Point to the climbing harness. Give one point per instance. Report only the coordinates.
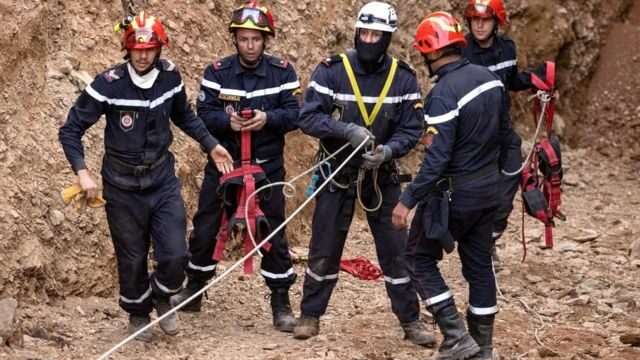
(361, 268)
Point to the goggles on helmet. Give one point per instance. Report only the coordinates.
(240, 16)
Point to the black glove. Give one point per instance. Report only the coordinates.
(380, 155)
(357, 134)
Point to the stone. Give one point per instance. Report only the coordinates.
(534, 279)
(634, 250)
(588, 235)
(56, 217)
(580, 300)
(7, 317)
(632, 339)
(545, 352)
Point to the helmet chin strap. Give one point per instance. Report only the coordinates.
(446, 52)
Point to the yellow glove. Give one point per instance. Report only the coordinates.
(74, 192)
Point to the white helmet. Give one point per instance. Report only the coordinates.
(377, 16)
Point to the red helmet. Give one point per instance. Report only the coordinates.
(142, 32)
(486, 9)
(436, 31)
(252, 15)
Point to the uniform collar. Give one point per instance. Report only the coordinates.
(450, 67)
(258, 71)
(358, 67)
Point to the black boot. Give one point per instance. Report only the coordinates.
(457, 343)
(193, 286)
(283, 319)
(481, 330)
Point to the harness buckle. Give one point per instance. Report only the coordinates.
(444, 184)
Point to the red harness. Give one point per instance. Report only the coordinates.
(361, 268)
(541, 199)
(243, 180)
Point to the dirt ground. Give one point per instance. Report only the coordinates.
(586, 290)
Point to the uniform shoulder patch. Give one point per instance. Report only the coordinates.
(277, 62)
(168, 65)
(406, 65)
(115, 73)
(221, 64)
(332, 60)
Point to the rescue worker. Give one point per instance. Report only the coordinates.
(144, 204)
(455, 189)
(249, 79)
(490, 48)
(339, 108)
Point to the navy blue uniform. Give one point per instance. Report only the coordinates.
(227, 86)
(501, 58)
(467, 121)
(142, 192)
(329, 105)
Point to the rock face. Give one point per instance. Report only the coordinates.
(7, 316)
(49, 250)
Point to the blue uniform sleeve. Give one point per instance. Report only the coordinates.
(509, 139)
(183, 116)
(410, 127)
(87, 110)
(210, 108)
(315, 116)
(442, 121)
(283, 118)
(517, 80)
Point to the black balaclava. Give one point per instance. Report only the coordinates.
(372, 56)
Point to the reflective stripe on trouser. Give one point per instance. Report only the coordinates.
(508, 188)
(276, 266)
(135, 219)
(331, 219)
(472, 232)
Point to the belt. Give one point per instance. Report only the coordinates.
(452, 183)
(139, 170)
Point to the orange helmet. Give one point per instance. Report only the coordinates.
(486, 9)
(142, 32)
(252, 15)
(436, 31)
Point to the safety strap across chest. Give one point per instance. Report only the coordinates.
(369, 118)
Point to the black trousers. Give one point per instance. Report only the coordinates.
(136, 220)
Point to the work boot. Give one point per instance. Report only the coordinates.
(497, 264)
(171, 324)
(457, 343)
(136, 322)
(193, 286)
(283, 318)
(307, 326)
(417, 334)
(481, 330)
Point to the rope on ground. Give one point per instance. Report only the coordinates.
(527, 307)
(234, 266)
(544, 97)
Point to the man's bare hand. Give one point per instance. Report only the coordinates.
(255, 123)
(222, 159)
(236, 122)
(399, 216)
(88, 186)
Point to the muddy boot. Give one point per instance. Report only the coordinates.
(171, 324)
(137, 322)
(418, 334)
(307, 326)
(457, 343)
(497, 264)
(193, 286)
(283, 319)
(481, 330)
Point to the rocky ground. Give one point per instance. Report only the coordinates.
(58, 286)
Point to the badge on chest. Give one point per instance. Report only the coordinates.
(230, 102)
(127, 120)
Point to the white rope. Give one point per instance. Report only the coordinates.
(287, 189)
(527, 307)
(234, 266)
(544, 97)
